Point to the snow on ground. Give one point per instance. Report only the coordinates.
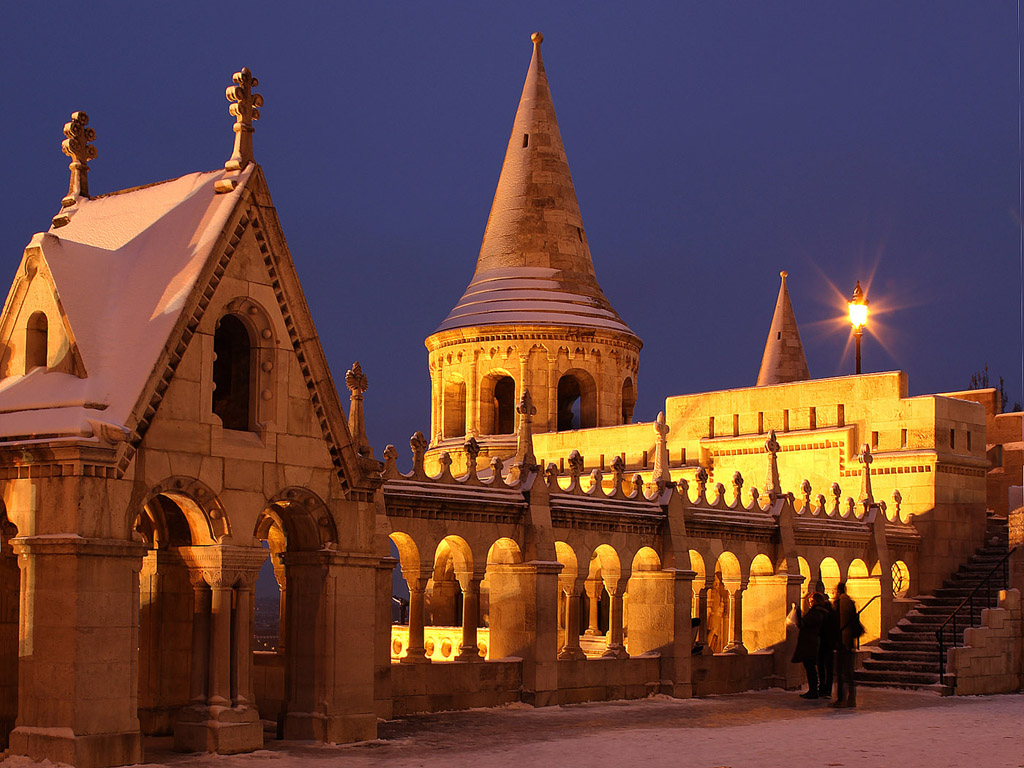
(765, 729)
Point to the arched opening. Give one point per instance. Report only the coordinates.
(454, 409)
(725, 583)
(865, 591)
(628, 401)
(650, 609)
(10, 593)
(504, 404)
(577, 401)
(570, 604)
(452, 602)
(503, 590)
(288, 658)
(232, 350)
(36, 342)
(828, 576)
(406, 570)
(764, 605)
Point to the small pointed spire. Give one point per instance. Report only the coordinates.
(866, 497)
(77, 147)
(661, 475)
(783, 359)
(525, 459)
(245, 108)
(357, 383)
(772, 486)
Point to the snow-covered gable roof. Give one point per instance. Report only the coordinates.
(122, 269)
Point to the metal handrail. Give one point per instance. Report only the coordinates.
(986, 582)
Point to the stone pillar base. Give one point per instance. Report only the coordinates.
(571, 654)
(615, 652)
(158, 721)
(225, 731)
(61, 745)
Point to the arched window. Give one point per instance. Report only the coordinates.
(577, 401)
(628, 401)
(454, 409)
(232, 351)
(36, 342)
(505, 406)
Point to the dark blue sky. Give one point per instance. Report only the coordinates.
(712, 144)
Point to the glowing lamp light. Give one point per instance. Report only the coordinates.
(858, 307)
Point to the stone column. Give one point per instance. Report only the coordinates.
(220, 644)
(571, 648)
(78, 662)
(242, 695)
(736, 600)
(416, 652)
(702, 612)
(594, 590)
(616, 647)
(470, 617)
(472, 400)
(200, 673)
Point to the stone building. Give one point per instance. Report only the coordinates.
(168, 421)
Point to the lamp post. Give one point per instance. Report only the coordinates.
(858, 317)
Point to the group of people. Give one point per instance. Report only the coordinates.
(826, 641)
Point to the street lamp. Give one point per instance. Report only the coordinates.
(858, 317)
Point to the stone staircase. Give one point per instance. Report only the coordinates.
(909, 656)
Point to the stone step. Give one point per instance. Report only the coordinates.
(896, 679)
(899, 666)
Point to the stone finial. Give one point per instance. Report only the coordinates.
(618, 471)
(805, 491)
(575, 465)
(865, 458)
(357, 383)
(445, 460)
(537, 38)
(551, 476)
(637, 488)
(472, 449)
(390, 462)
(418, 443)
(525, 459)
(771, 445)
(737, 486)
(77, 147)
(897, 499)
(497, 467)
(245, 108)
(836, 492)
(661, 474)
(701, 478)
(596, 483)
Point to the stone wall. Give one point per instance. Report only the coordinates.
(990, 661)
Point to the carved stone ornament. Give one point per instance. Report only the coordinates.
(245, 108)
(355, 379)
(76, 146)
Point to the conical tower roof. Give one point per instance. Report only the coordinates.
(783, 359)
(534, 265)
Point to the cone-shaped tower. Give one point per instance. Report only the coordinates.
(783, 359)
(534, 316)
(534, 263)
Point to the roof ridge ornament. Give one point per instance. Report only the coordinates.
(357, 383)
(661, 474)
(866, 497)
(245, 108)
(76, 146)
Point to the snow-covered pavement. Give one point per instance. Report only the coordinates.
(766, 729)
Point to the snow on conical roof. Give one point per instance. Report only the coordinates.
(783, 359)
(534, 264)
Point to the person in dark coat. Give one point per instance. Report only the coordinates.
(808, 641)
(829, 642)
(849, 623)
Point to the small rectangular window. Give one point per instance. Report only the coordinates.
(874, 440)
(645, 459)
(813, 419)
(682, 456)
(785, 420)
(711, 426)
(968, 440)
(779, 336)
(760, 422)
(735, 425)
(903, 438)
(952, 438)
(840, 415)
(526, 139)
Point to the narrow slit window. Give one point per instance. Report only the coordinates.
(779, 336)
(813, 418)
(968, 440)
(579, 233)
(903, 438)
(952, 438)
(874, 440)
(711, 426)
(526, 140)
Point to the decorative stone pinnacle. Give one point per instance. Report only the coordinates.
(865, 458)
(525, 458)
(357, 383)
(77, 147)
(245, 108)
(418, 443)
(661, 475)
(472, 449)
(771, 445)
(575, 464)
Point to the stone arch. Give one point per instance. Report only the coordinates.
(864, 588)
(200, 507)
(503, 591)
(303, 517)
(698, 585)
(570, 607)
(497, 403)
(649, 610)
(243, 367)
(829, 574)
(804, 569)
(576, 400)
(725, 582)
(628, 400)
(453, 564)
(764, 605)
(453, 408)
(36, 341)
